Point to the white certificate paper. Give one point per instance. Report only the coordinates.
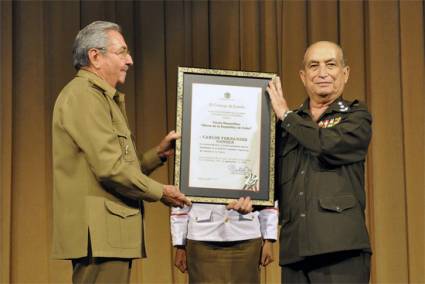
(225, 137)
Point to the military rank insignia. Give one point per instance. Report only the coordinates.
(331, 122)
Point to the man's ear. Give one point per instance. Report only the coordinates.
(302, 76)
(94, 58)
(346, 73)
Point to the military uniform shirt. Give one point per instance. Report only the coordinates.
(320, 167)
(99, 180)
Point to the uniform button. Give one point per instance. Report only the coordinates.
(338, 209)
(301, 193)
(302, 215)
(288, 125)
(302, 172)
(226, 220)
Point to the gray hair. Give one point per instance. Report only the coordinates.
(93, 35)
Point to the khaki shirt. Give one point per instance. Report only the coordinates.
(99, 181)
(321, 180)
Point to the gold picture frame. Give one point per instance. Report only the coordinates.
(189, 156)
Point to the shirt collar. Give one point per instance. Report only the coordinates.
(339, 105)
(304, 107)
(100, 83)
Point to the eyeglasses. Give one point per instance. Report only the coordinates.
(122, 53)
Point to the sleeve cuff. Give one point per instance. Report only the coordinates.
(287, 121)
(270, 236)
(155, 190)
(179, 243)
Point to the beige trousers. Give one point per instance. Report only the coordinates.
(224, 262)
(101, 270)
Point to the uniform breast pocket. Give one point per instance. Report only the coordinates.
(248, 217)
(124, 225)
(338, 204)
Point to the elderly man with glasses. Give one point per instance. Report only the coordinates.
(100, 182)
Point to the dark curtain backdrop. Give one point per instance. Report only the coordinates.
(383, 43)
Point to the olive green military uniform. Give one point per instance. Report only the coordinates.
(99, 181)
(320, 169)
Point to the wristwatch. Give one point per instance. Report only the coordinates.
(285, 114)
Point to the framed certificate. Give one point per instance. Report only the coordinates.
(228, 136)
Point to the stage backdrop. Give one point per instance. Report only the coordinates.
(383, 43)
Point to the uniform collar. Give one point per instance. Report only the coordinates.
(100, 83)
(304, 107)
(339, 105)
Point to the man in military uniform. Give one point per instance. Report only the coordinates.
(100, 181)
(320, 164)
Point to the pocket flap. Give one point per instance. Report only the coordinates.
(247, 217)
(338, 203)
(202, 215)
(120, 210)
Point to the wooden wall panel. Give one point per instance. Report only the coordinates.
(200, 34)
(294, 43)
(61, 24)
(178, 52)
(322, 20)
(30, 227)
(178, 37)
(413, 102)
(150, 71)
(125, 18)
(187, 19)
(250, 36)
(97, 11)
(6, 142)
(268, 37)
(270, 14)
(151, 126)
(224, 46)
(384, 82)
(176, 42)
(352, 41)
